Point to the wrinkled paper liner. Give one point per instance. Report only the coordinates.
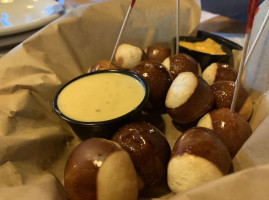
(35, 142)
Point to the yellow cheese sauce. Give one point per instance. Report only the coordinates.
(100, 97)
(208, 46)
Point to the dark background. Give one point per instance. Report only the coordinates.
(235, 9)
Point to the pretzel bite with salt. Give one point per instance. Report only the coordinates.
(128, 56)
(148, 149)
(231, 127)
(158, 80)
(158, 52)
(223, 92)
(198, 156)
(181, 62)
(219, 72)
(100, 169)
(102, 65)
(188, 98)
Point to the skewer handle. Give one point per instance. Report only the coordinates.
(257, 38)
(132, 3)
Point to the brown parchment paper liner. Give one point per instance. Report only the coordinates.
(34, 141)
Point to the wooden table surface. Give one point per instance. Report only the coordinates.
(224, 25)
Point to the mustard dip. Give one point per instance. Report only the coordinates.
(208, 46)
(100, 97)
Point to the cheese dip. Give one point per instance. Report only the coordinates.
(100, 97)
(208, 46)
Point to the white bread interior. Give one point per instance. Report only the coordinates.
(209, 74)
(205, 121)
(181, 89)
(166, 63)
(187, 171)
(117, 178)
(128, 55)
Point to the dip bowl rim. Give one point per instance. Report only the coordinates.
(205, 59)
(228, 52)
(109, 122)
(225, 43)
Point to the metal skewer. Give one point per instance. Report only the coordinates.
(177, 27)
(252, 10)
(122, 28)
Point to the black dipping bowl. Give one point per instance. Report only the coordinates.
(206, 59)
(103, 129)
